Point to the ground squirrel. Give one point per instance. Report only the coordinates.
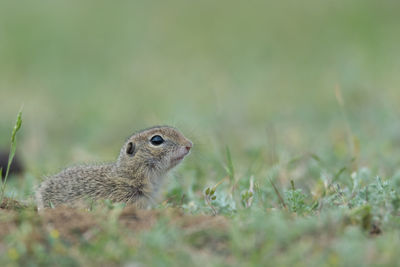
(134, 178)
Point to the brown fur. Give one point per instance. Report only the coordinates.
(133, 179)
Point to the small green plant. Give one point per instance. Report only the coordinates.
(209, 196)
(296, 200)
(11, 155)
(246, 198)
(247, 195)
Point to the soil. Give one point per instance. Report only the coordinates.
(7, 222)
(72, 224)
(138, 220)
(11, 204)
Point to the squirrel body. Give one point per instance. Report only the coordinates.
(135, 178)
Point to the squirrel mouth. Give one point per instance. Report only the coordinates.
(180, 155)
(178, 159)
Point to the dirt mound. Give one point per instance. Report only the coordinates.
(72, 224)
(11, 204)
(75, 225)
(205, 232)
(137, 219)
(196, 223)
(7, 222)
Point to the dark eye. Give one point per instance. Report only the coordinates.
(156, 140)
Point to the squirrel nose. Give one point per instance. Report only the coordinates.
(189, 146)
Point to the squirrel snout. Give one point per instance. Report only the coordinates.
(189, 146)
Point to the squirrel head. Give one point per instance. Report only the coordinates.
(153, 151)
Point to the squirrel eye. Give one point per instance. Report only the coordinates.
(156, 140)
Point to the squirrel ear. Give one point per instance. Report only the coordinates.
(130, 149)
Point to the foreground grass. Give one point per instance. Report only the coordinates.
(343, 217)
(340, 217)
(337, 224)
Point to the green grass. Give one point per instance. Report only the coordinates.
(292, 108)
(13, 148)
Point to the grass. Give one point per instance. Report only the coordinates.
(248, 221)
(13, 147)
(292, 109)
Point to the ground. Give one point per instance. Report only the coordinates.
(292, 108)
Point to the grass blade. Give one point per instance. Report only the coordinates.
(278, 194)
(11, 155)
(229, 168)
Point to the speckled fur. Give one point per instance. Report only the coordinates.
(132, 179)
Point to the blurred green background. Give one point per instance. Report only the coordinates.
(253, 75)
